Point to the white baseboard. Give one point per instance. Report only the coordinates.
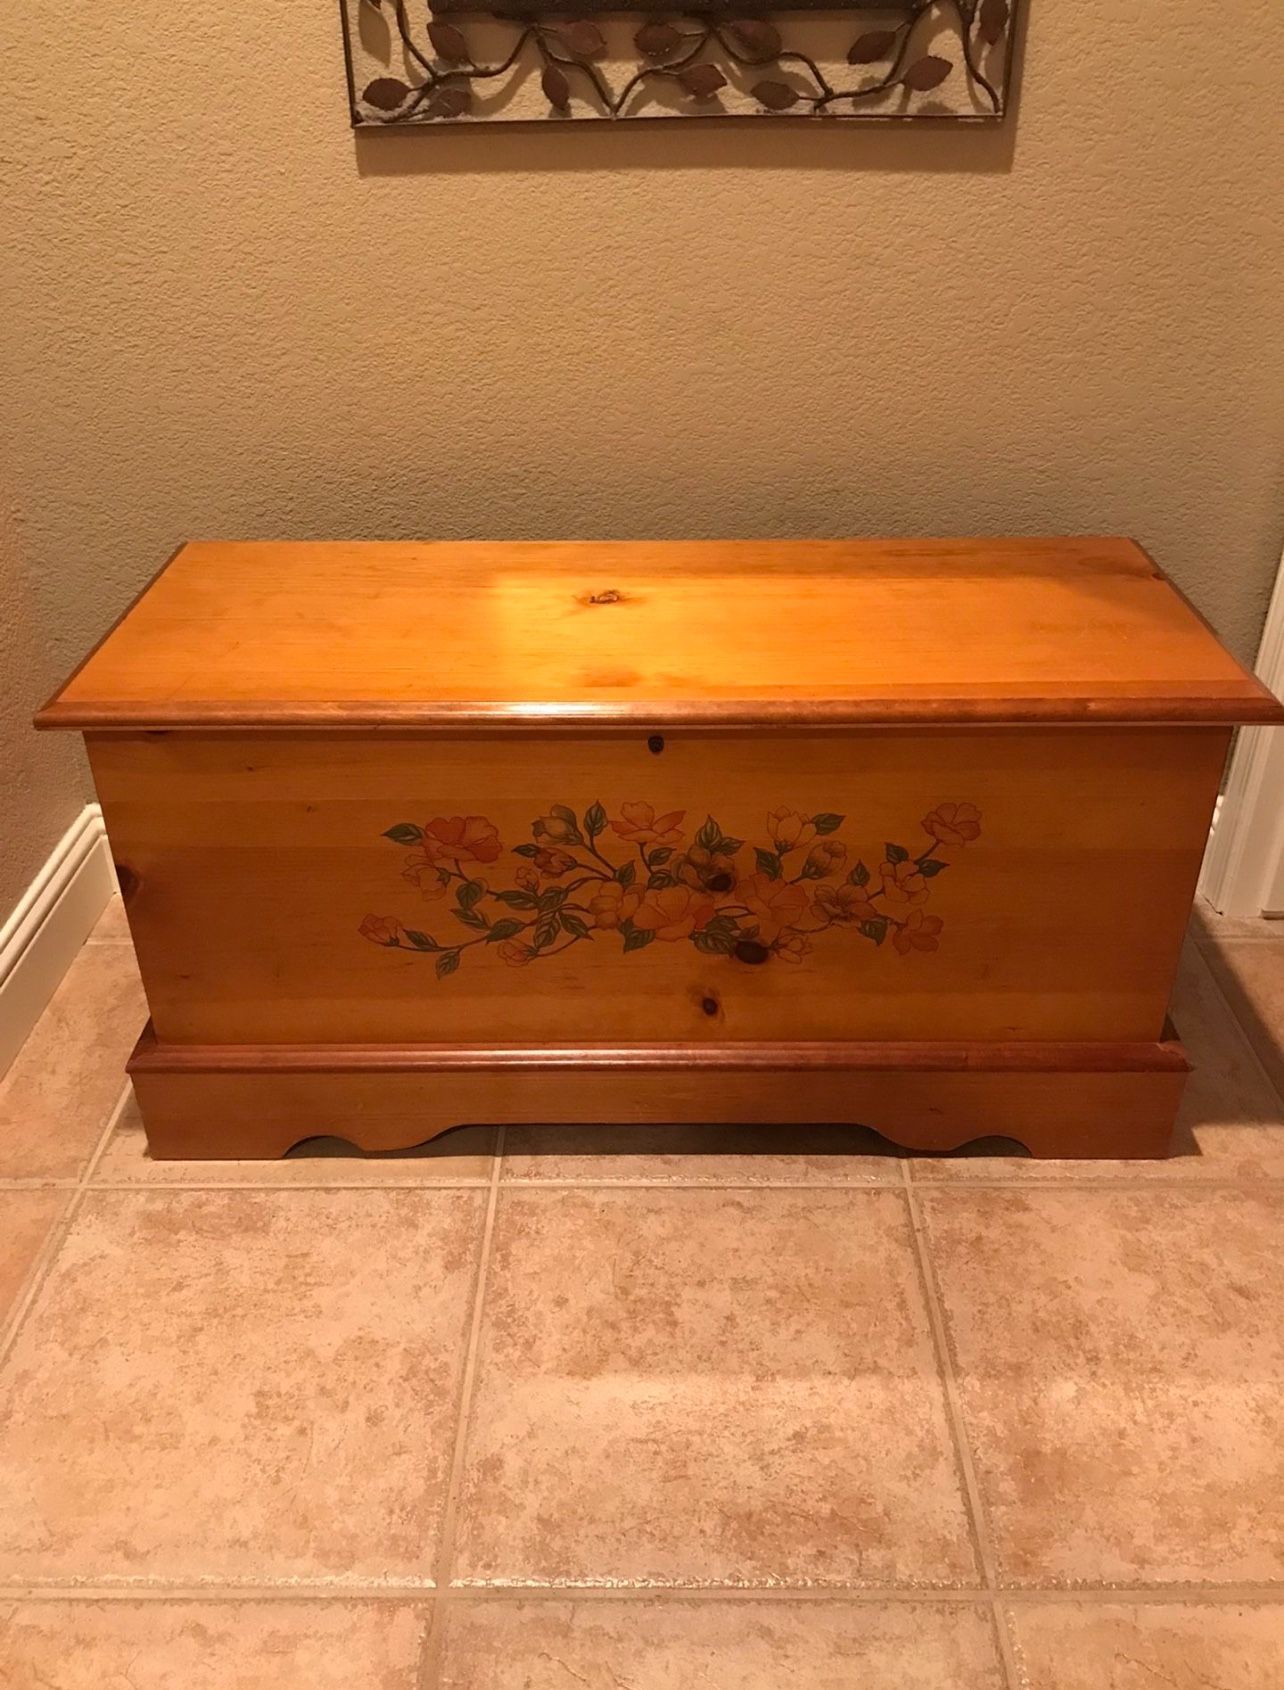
(54, 917)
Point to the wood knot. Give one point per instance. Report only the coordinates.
(608, 595)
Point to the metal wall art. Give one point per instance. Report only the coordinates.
(453, 64)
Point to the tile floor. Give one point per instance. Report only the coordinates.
(650, 1412)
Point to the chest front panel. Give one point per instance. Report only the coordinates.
(893, 884)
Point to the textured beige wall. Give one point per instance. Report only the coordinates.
(225, 317)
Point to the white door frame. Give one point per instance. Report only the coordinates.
(1244, 868)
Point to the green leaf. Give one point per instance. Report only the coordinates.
(405, 833)
(526, 850)
(724, 924)
(931, 867)
(713, 943)
(594, 820)
(553, 899)
(517, 900)
(471, 918)
(470, 892)
(875, 930)
(421, 941)
(548, 929)
(504, 930)
(636, 938)
(447, 963)
(728, 847)
(768, 863)
(659, 856)
(575, 924)
(896, 853)
(626, 873)
(709, 834)
(859, 875)
(657, 882)
(827, 822)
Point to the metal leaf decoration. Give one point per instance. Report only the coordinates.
(448, 43)
(703, 81)
(777, 96)
(657, 40)
(994, 20)
(927, 73)
(756, 37)
(557, 90)
(869, 48)
(584, 38)
(387, 93)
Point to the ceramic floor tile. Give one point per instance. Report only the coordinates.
(701, 1155)
(708, 1387)
(460, 1157)
(154, 1645)
(1231, 1124)
(1121, 1363)
(671, 1644)
(1251, 975)
(25, 1220)
(65, 1081)
(1145, 1646)
(111, 928)
(239, 1386)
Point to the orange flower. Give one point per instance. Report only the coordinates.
(381, 929)
(791, 946)
(639, 822)
(844, 904)
(702, 868)
(612, 903)
(674, 912)
(554, 862)
(554, 828)
(788, 829)
(421, 870)
(903, 885)
(514, 953)
(953, 824)
(918, 933)
(527, 879)
(470, 838)
(776, 903)
(826, 856)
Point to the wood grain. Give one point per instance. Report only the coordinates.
(255, 862)
(358, 635)
(240, 1103)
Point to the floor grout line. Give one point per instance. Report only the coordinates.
(981, 1530)
(49, 1250)
(443, 1564)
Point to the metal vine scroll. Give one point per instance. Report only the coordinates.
(454, 64)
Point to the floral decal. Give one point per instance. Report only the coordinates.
(675, 885)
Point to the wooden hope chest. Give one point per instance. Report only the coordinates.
(902, 834)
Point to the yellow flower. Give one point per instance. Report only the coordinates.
(776, 903)
(844, 905)
(555, 829)
(527, 879)
(381, 929)
(674, 912)
(791, 946)
(612, 903)
(918, 933)
(903, 885)
(789, 830)
(554, 862)
(701, 868)
(422, 870)
(639, 823)
(826, 856)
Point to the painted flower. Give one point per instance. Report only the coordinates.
(555, 830)
(953, 824)
(639, 823)
(381, 930)
(789, 830)
(527, 879)
(844, 905)
(706, 869)
(462, 838)
(673, 912)
(514, 953)
(826, 856)
(791, 946)
(554, 862)
(612, 903)
(423, 870)
(918, 934)
(776, 903)
(903, 885)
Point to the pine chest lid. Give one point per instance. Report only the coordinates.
(727, 633)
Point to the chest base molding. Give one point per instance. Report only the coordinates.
(1055, 1099)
